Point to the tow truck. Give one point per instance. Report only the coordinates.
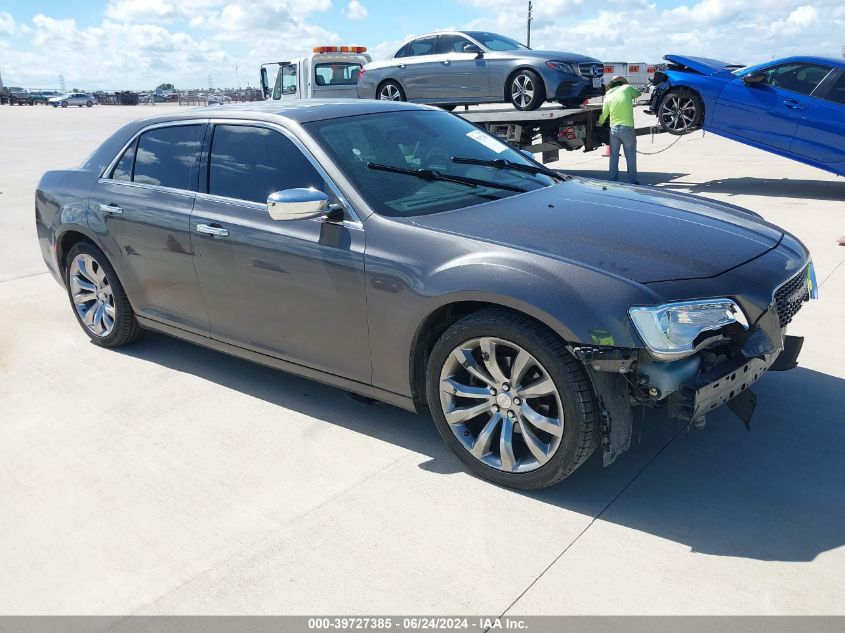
(332, 72)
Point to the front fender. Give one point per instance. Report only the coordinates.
(413, 273)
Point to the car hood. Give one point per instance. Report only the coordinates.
(544, 55)
(638, 233)
(704, 65)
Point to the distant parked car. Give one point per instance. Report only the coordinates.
(793, 107)
(73, 98)
(471, 67)
(218, 99)
(20, 96)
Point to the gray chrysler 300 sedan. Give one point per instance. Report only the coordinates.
(398, 252)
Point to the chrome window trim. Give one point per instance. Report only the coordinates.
(354, 219)
(153, 126)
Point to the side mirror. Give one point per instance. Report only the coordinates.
(297, 204)
(753, 79)
(265, 83)
(474, 49)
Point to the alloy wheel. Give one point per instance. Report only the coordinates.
(501, 404)
(390, 92)
(522, 90)
(677, 112)
(92, 295)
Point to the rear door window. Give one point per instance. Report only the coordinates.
(123, 169)
(249, 163)
(837, 90)
(422, 46)
(166, 156)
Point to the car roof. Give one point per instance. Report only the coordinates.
(827, 61)
(299, 110)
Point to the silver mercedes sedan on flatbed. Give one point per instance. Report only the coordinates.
(452, 68)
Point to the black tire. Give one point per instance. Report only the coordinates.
(126, 327)
(64, 104)
(523, 100)
(89, 104)
(390, 90)
(680, 111)
(580, 436)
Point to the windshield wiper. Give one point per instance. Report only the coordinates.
(503, 163)
(432, 174)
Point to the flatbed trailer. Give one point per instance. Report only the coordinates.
(548, 130)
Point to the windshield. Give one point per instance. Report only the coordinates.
(419, 139)
(496, 42)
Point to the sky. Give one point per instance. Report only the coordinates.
(138, 44)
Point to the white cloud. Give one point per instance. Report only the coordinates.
(356, 11)
(142, 11)
(141, 43)
(803, 16)
(7, 24)
(744, 31)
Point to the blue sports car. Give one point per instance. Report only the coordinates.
(794, 107)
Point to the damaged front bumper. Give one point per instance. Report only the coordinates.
(689, 388)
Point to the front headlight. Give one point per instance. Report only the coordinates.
(561, 66)
(670, 330)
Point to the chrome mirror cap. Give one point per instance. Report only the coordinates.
(297, 204)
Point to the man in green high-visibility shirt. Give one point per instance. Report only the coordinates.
(619, 106)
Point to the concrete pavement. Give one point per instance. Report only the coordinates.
(166, 478)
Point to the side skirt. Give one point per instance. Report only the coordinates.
(382, 395)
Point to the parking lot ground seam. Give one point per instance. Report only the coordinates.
(595, 518)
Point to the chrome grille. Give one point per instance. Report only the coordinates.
(790, 296)
(590, 69)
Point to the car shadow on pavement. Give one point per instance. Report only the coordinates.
(646, 177)
(777, 187)
(773, 494)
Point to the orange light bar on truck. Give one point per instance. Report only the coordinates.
(339, 49)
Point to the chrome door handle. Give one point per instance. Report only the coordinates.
(445, 62)
(401, 65)
(209, 229)
(111, 207)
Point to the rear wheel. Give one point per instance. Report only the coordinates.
(64, 104)
(89, 103)
(98, 299)
(508, 398)
(680, 111)
(391, 91)
(527, 91)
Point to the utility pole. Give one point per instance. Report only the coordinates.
(528, 42)
(237, 76)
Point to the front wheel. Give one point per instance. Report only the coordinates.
(64, 104)
(680, 111)
(508, 398)
(89, 104)
(391, 91)
(527, 91)
(98, 299)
